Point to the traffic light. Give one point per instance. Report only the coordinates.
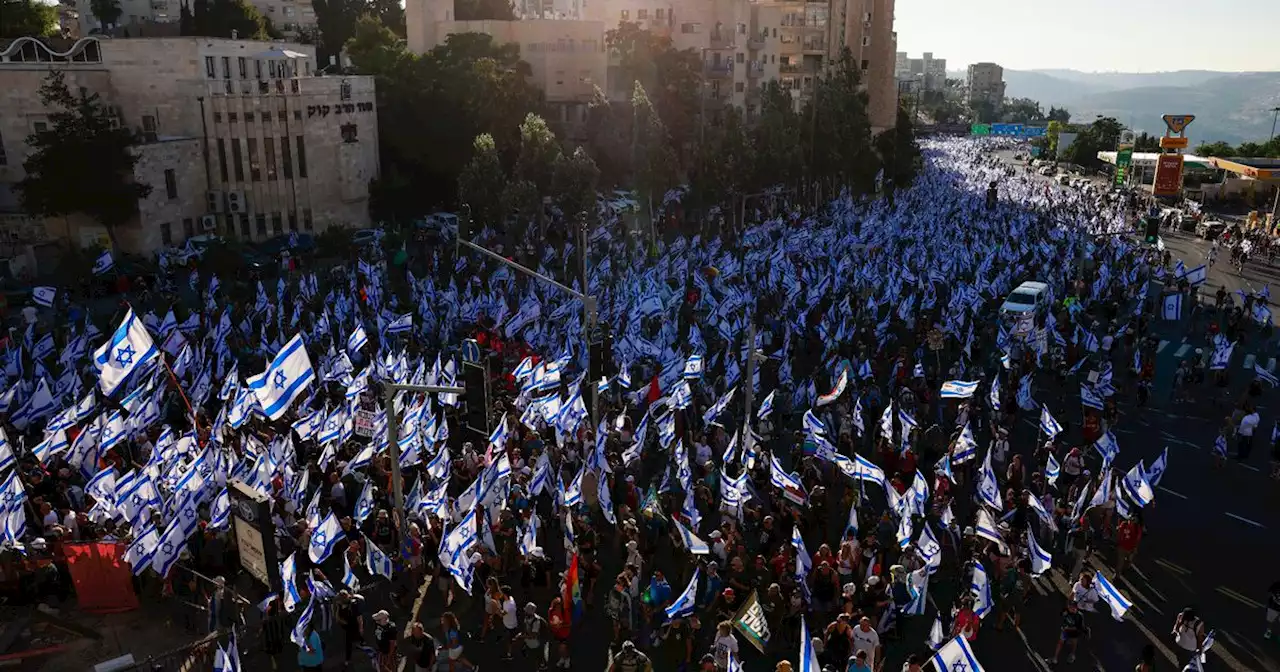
(1152, 234)
(475, 381)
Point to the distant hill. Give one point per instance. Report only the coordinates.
(1231, 107)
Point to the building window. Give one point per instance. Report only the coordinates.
(280, 115)
(293, 221)
(248, 117)
(286, 158)
(217, 117)
(244, 226)
(742, 58)
(166, 233)
(277, 225)
(302, 158)
(209, 68)
(188, 227)
(642, 14)
(257, 69)
(349, 133)
(233, 117)
(739, 87)
(297, 115)
(865, 64)
(226, 67)
(148, 124)
(626, 14)
(255, 168)
(244, 67)
(260, 222)
(222, 159)
(306, 220)
(660, 13)
(4, 160)
(40, 126)
(269, 154)
(237, 159)
(171, 184)
(271, 69)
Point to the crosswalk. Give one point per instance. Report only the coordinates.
(1185, 349)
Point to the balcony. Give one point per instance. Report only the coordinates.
(755, 41)
(790, 68)
(815, 47)
(718, 70)
(755, 69)
(159, 6)
(721, 40)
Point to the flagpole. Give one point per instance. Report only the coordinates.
(177, 385)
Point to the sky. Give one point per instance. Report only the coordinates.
(1094, 35)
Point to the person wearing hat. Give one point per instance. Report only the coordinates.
(384, 639)
(533, 629)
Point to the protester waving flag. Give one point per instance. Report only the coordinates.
(286, 378)
(44, 295)
(956, 656)
(128, 352)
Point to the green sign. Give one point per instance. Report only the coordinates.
(1035, 151)
(1124, 158)
(980, 129)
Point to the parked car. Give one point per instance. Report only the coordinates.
(1029, 297)
(1209, 230)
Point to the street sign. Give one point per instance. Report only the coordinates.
(255, 533)
(1124, 159)
(1174, 142)
(1168, 181)
(980, 129)
(1176, 123)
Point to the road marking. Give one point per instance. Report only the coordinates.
(1249, 360)
(1182, 350)
(1250, 467)
(1176, 569)
(1179, 495)
(1160, 348)
(1238, 597)
(1246, 520)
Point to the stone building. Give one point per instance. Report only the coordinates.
(237, 138)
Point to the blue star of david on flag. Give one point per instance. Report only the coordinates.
(319, 537)
(281, 379)
(124, 356)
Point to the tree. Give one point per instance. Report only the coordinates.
(724, 162)
(1102, 135)
(337, 21)
(1145, 142)
(840, 130)
(1215, 149)
(107, 11)
(222, 18)
(654, 167)
(778, 139)
(1022, 111)
(982, 111)
(539, 151)
(484, 10)
(672, 79)
(482, 182)
(609, 134)
(574, 180)
(27, 18)
(1059, 114)
(83, 163)
(899, 154)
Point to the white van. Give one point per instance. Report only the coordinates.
(1028, 298)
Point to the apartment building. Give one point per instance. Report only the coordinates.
(293, 18)
(986, 85)
(925, 73)
(238, 138)
(742, 44)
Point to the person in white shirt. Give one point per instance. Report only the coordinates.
(1085, 593)
(510, 619)
(865, 638)
(724, 645)
(1245, 432)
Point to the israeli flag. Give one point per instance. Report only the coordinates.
(357, 340)
(966, 447)
(1155, 472)
(1103, 494)
(1047, 424)
(838, 390)
(1198, 660)
(692, 543)
(693, 367)
(289, 577)
(104, 263)
(378, 562)
(956, 656)
(1197, 275)
(401, 325)
(1052, 470)
(1108, 448)
(364, 505)
(918, 589)
(299, 634)
(988, 486)
(323, 539)
(1221, 357)
(981, 589)
(685, 603)
(220, 514)
(129, 350)
(1089, 398)
(808, 654)
(1119, 603)
(285, 379)
(1172, 307)
(172, 543)
(1137, 487)
(994, 397)
(1266, 376)
(143, 548)
(348, 576)
(958, 389)
(1041, 560)
(44, 295)
(7, 458)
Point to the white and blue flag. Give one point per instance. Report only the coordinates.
(127, 352)
(1172, 307)
(956, 656)
(685, 603)
(286, 377)
(958, 389)
(323, 538)
(1119, 603)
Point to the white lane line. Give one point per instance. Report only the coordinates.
(1238, 597)
(1246, 520)
(1182, 351)
(1250, 467)
(1160, 348)
(1179, 495)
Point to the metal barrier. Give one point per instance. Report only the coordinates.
(194, 657)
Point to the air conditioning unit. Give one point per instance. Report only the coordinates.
(213, 200)
(236, 202)
(208, 222)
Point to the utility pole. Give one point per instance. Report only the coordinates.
(393, 439)
(588, 317)
(749, 393)
(1275, 115)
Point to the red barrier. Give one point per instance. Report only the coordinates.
(103, 580)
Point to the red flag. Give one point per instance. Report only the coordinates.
(572, 598)
(655, 392)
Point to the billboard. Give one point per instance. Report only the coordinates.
(1065, 140)
(980, 129)
(1124, 158)
(1168, 180)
